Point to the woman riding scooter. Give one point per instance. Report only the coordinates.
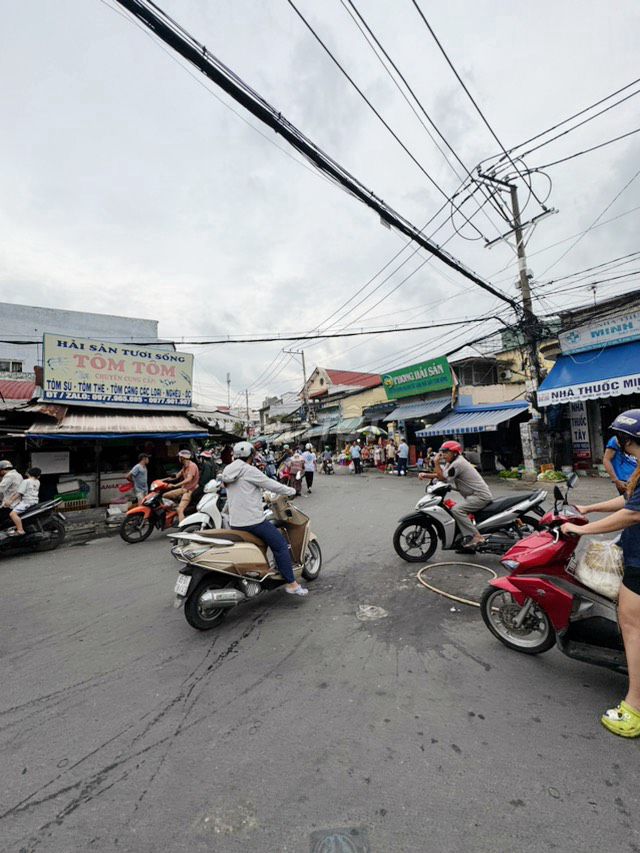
(625, 515)
(244, 485)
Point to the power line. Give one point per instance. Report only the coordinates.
(595, 221)
(576, 115)
(585, 151)
(415, 98)
(470, 96)
(165, 29)
(375, 111)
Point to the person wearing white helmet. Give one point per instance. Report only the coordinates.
(310, 461)
(10, 482)
(244, 484)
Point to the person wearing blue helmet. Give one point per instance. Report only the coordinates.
(624, 720)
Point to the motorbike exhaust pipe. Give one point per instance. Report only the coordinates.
(214, 599)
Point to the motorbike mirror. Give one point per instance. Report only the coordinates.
(573, 479)
(557, 494)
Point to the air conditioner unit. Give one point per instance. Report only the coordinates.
(505, 375)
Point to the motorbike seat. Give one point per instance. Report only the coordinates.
(235, 536)
(501, 505)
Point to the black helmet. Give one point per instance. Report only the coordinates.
(626, 426)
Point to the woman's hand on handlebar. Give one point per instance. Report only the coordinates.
(571, 529)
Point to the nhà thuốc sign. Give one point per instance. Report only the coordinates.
(602, 333)
(97, 373)
(433, 375)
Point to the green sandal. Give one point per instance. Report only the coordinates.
(623, 720)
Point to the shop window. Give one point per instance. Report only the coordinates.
(477, 374)
(16, 367)
(5, 366)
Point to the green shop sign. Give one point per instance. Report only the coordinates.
(433, 375)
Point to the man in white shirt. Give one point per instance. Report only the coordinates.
(309, 466)
(356, 454)
(10, 482)
(403, 457)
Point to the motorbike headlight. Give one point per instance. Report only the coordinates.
(512, 565)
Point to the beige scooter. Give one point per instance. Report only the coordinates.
(224, 568)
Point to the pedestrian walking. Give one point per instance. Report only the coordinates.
(403, 457)
(356, 454)
(296, 468)
(309, 466)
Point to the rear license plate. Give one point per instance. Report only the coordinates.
(182, 584)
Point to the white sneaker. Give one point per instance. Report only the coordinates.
(299, 590)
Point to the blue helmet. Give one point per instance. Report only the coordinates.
(627, 425)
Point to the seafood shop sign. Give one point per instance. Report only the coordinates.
(96, 373)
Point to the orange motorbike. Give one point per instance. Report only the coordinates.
(154, 511)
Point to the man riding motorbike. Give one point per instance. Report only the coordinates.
(244, 484)
(185, 481)
(451, 467)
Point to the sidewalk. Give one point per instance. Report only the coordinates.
(85, 524)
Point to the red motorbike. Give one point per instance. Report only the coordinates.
(542, 604)
(154, 511)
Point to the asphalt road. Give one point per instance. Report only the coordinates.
(123, 729)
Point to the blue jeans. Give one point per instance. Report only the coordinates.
(278, 544)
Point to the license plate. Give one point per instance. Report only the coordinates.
(182, 584)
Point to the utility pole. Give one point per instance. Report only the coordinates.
(246, 396)
(532, 440)
(228, 390)
(305, 390)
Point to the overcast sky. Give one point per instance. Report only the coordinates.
(129, 187)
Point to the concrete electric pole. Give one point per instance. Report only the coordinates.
(228, 390)
(305, 390)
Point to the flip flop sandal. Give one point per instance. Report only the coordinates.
(623, 720)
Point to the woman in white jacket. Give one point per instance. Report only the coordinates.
(244, 484)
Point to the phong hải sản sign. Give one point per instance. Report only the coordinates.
(432, 375)
(97, 373)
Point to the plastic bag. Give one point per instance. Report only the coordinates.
(600, 568)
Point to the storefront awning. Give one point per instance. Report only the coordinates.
(346, 426)
(78, 425)
(286, 437)
(467, 419)
(420, 409)
(320, 430)
(593, 374)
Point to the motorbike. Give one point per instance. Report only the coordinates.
(154, 511)
(224, 568)
(503, 522)
(209, 510)
(44, 528)
(327, 466)
(541, 603)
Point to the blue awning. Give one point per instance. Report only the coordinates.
(467, 419)
(420, 409)
(593, 374)
(320, 430)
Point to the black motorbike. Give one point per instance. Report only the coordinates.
(44, 529)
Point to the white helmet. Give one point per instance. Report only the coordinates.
(243, 449)
(309, 446)
(5, 465)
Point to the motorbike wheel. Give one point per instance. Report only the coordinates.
(57, 532)
(196, 617)
(415, 542)
(537, 634)
(136, 528)
(312, 561)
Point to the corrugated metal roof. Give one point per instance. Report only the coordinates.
(17, 389)
(80, 423)
(420, 409)
(470, 419)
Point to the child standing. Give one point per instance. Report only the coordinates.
(28, 492)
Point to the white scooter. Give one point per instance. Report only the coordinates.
(209, 514)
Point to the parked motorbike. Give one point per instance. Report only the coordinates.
(542, 604)
(502, 522)
(44, 528)
(327, 466)
(209, 510)
(224, 568)
(154, 511)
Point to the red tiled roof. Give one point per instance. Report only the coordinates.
(17, 389)
(351, 377)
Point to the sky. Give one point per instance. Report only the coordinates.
(131, 185)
